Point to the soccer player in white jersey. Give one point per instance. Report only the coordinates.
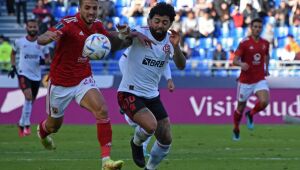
(27, 67)
(170, 85)
(138, 94)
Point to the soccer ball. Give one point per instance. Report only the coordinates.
(96, 46)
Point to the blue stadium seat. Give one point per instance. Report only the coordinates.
(141, 21)
(116, 20)
(220, 73)
(237, 33)
(269, 20)
(281, 32)
(118, 54)
(234, 73)
(72, 10)
(281, 42)
(119, 11)
(295, 31)
(131, 22)
(206, 43)
(113, 68)
(274, 54)
(97, 66)
(191, 42)
(59, 12)
(227, 43)
(225, 32)
(122, 3)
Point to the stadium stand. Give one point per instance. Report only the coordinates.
(198, 50)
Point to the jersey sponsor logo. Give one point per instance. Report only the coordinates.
(82, 59)
(251, 47)
(31, 56)
(152, 62)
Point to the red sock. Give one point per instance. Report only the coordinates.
(104, 134)
(257, 108)
(237, 116)
(43, 130)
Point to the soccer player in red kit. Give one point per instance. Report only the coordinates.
(71, 77)
(252, 56)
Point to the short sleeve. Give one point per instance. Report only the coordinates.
(16, 45)
(240, 50)
(60, 26)
(45, 50)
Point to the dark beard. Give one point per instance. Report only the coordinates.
(158, 36)
(32, 33)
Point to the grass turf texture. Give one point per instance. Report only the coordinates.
(195, 147)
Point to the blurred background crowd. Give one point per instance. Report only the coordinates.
(210, 30)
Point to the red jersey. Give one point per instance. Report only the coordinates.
(253, 53)
(69, 67)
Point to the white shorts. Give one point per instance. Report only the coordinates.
(244, 91)
(59, 97)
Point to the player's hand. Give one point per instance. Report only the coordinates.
(171, 85)
(244, 66)
(174, 38)
(123, 30)
(144, 39)
(12, 72)
(54, 36)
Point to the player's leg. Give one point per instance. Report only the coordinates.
(261, 90)
(134, 125)
(34, 91)
(161, 146)
(243, 93)
(89, 97)
(57, 99)
(25, 85)
(136, 110)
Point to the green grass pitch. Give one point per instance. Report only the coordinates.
(195, 147)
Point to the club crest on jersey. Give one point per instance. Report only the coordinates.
(167, 49)
(256, 59)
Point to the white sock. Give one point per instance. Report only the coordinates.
(140, 136)
(145, 144)
(157, 154)
(26, 113)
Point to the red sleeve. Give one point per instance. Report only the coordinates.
(240, 50)
(60, 26)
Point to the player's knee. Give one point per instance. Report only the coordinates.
(151, 127)
(101, 112)
(52, 129)
(264, 103)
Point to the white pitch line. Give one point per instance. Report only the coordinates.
(170, 159)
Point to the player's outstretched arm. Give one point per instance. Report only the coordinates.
(48, 37)
(179, 58)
